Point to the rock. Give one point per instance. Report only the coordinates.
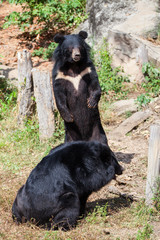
(155, 105)
(105, 14)
(142, 21)
(106, 231)
(126, 25)
(131, 52)
(122, 106)
(130, 123)
(9, 73)
(127, 40)
(132, 196)
(114, 190)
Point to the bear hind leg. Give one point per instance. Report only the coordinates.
(67, 217)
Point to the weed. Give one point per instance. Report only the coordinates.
(59, 127)
(99, 211)
(128, 114)
(152, 79)
(145, 233)
(143, 99)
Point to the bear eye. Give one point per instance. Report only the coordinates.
(67, 52)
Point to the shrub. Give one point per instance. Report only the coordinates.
(45, 53)
(49, 14)
(152, 79)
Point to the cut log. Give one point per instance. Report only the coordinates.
(44, 101)
(130, 123)
(25, 86)
(153, 174)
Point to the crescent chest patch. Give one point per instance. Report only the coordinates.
(74, 80)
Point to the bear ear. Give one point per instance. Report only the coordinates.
(58, 38)
(83, 34)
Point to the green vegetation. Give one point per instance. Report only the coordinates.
(47, 15)
(156, 198)
(152, 79)
(21, 150)
(99, 214)
(8, 96)
(145, 234)
(143, 99)
(151, 85)
(18, 139)
(111, 80)
(45, 53)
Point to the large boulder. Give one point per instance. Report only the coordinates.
(126, 25)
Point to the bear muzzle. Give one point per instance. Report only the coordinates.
(76, 55)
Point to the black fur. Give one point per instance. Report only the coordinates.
(78, 107)
(57, 189)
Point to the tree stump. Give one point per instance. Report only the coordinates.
(44, 101)
(153, 175)
(25, 86)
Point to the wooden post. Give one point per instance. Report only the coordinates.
(44, 100)
(25, 86)
(153, 163)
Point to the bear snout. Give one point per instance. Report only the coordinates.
(76, 55)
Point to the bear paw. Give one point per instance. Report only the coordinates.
(91, 103)
(69, 118)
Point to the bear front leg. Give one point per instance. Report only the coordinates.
(94, 90)
(64, 112)
(61, 102)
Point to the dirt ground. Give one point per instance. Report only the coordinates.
(13, 40)
(131, 150)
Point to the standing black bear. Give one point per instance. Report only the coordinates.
(76, 89)
(57, 189)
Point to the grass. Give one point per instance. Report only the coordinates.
(107, 216)
(19, 154)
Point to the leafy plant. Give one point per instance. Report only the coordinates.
(45, 53)
(152, 79)
(46, 15)
(143, 99)
(99, 211)
(111, 81)
(145, 233)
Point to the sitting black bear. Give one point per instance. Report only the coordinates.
(76, 89)
(57, 189)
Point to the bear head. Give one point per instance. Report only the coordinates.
(72, 48)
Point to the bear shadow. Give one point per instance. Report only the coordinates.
(124, 157)
(113, 204)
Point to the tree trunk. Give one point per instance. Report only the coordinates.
(44, 100)
(153, 175)
(25, 86)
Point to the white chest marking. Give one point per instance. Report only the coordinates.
(74, 80)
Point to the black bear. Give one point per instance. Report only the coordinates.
(76, 89)
(57, 189)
